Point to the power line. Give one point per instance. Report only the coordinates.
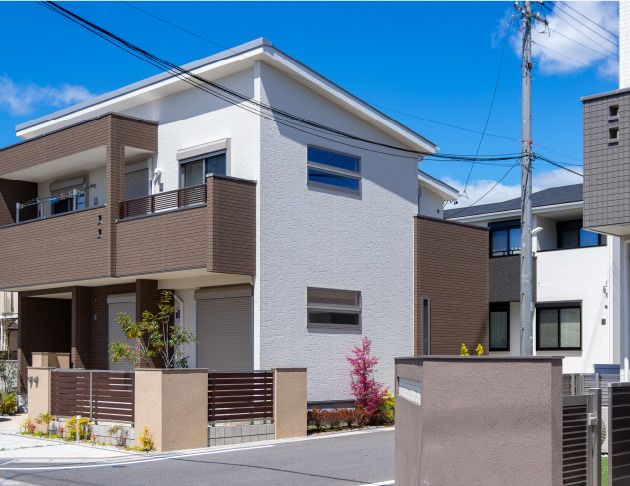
(590, 20)
(584, 45)
(494, 94)
(488, 192)
(565, 56)
(581, 32)
(557, 164)
(261, 109)
(584, 25)
(483, 133)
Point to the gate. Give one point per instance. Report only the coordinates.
(581, 428)
(619, 434)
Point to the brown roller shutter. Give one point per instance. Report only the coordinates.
(224, 331)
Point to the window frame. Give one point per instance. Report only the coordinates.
(503, 226)
(335, 308)
(558, 306)
(499, 307)
(203, 159)
(334, 171)
(574, 224)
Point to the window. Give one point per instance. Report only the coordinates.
(572, 235)
(505, 238)
(613, 135)
(333, 170)
(67, 196)
(193, 172)
(613, 112)
(559, 326)
(333, 308)
(500, 326)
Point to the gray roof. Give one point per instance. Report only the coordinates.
(546, 197)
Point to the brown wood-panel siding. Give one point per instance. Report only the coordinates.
(45, 326)
(71, 140)
(232, 226)
(162, 242)
(451, 268)
(12, 192)
(58, 249)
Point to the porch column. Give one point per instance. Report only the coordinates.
(81, 328)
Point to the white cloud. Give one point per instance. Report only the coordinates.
(555, 52)
(503, 192)
(22, 98)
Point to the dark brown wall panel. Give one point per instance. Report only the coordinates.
(162, 242)
(12, 192)
(232, 226)
(59, 249)
(82, 321)
(451, 268)
(45, 326)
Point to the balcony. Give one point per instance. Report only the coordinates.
(211, 226)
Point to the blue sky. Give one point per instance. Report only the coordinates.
(416, 61)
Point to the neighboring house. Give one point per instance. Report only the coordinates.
(8, 322)
(283, 247)
(576, 280)
(607, 179)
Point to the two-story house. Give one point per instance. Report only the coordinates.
(284, 243)
(576, 285)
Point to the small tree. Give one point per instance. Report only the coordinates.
(155, 335)
(368, 393)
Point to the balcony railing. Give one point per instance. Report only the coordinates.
(164, 201)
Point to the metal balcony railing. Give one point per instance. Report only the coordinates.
(164, 201)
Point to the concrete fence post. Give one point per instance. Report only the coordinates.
(39, 389)
(289, 402)
(173, 405)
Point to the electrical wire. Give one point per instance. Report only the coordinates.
(217, 90)
(488, 192)
(590, 20)
(584, 45)
(210, 41)
(494, 94)
(556, 6)
(557, 164)
(564, 55)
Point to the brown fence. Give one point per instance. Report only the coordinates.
(164, 201)
(99, 395)
(240, 396)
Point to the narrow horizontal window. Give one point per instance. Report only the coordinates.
(332, 179)
(333, 308)
(333, 159)
(333, 170)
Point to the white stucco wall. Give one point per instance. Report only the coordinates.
(430, 203)
(624, 44)
(322, 238)
(194, 117)
(579, 274)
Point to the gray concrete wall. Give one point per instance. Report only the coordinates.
(497, 420)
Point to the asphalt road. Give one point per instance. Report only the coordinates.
(348, 459)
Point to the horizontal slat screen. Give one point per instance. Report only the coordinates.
(240, 396)
(112, 394)
(619, 434)
(164, 201)
(574, 445)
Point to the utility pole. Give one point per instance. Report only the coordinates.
(527, 260)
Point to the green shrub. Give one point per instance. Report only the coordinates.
(9, 403)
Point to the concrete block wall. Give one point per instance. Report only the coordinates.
(240, 434)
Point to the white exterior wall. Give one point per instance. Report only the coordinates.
(579, 274)
(430, 204)
(193, 117)
(322, 238)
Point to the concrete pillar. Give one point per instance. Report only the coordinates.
(173, 405)
(289, 402)
(39, 389)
